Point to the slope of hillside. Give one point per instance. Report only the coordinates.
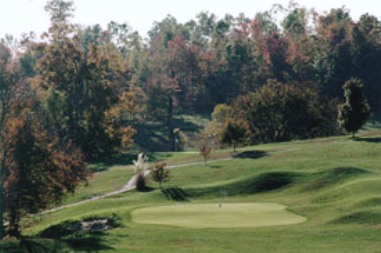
(335, 183)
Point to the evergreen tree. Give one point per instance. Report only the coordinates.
(355, 111)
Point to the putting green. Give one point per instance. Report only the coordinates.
(225, 215)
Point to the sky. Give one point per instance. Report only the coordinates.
(23, 16)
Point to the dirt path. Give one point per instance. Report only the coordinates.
(127, 187)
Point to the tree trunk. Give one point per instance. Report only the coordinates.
(171, 134)
(14, 218)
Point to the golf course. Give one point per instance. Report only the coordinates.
(319, 195)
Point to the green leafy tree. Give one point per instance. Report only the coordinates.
(234, 132)
(160, 174)
(355, 111)
(282, 112)
(87, 80)
(333, 63)
(366, 57)
(220, 113)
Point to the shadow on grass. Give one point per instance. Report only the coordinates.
(369, 139)
(86, 235)
(361, 217)
(42, 245)
(187, 126)
(332, 176)
(175, 193)
(88, 242)
(151, 136)
(251, 154)
(265, 182)
(33, 245)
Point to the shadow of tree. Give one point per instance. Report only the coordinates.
(38, 245)
(175, 193)
(185, 125)
(251, 154)
(41, 246)
(87, 242)
(369, 139)
(151, 136)
(85, 235)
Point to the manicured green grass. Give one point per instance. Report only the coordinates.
(333, 182)
(218, 215)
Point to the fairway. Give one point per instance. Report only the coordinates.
(216, 215)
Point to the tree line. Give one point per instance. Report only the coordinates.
(75, 94)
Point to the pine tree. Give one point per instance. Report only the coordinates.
(355, 111)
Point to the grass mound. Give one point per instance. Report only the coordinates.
(258, 184)
(360, 217)
(376, 201)
(218, 215)
(332, 176)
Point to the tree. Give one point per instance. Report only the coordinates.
(333, 63)
(37, 167)
(205, 151)
(234, 132)
(220, 114)
(282, 112)
(40, 171)
(366, 57)
(87, 81)
(9, 76)
(355, 111)
(160, 174)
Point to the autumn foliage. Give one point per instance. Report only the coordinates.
(160, 174)
(39, 171)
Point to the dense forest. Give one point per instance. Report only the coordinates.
(79, 93)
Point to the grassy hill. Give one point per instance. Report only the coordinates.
(335, 183)
(152, 136)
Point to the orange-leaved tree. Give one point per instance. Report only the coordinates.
(39, 170)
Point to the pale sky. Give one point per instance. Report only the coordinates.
(22, 16)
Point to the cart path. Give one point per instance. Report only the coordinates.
(127, 187)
